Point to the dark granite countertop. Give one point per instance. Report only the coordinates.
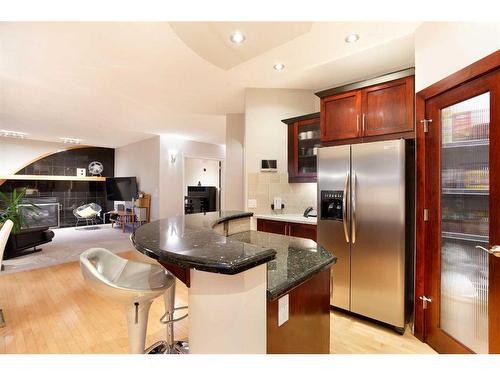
(190, 241)
(297, 260)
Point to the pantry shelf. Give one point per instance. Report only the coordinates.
(454, 191)
(465, 237)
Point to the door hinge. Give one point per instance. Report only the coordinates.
(426, 124)
(425, 300)
(426, 214)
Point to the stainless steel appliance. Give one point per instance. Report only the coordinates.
(361, 193)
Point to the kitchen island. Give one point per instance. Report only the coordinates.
(240, 279)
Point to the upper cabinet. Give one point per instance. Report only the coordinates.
(303, 144)
(340, 116)
(380, 108)
(388, 108)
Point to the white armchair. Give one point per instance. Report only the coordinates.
(4, 236)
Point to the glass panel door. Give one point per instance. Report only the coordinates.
(465, 221)
(309, 142)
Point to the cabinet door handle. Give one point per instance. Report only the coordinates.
(354, 220)
(344, 207)
(357, 124)
(363, 126)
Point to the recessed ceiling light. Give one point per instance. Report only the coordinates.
(237, 37)
(12, 134)
(72, 141)
(351, 38)
(279, 67)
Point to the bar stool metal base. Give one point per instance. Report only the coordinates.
(181, 347)
(161, 347)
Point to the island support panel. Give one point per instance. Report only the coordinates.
(227, 313)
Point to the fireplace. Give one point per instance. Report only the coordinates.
(45, 214)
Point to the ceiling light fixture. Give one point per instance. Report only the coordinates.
(351, 38)
(12, 134)
(72, 141)
(237, 37)
(279, 67)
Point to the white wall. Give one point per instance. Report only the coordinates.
(442, 48)
(205, 171)
(265, 134)
(266, 138)
(171, 187)
(15, 154)
(142, 159)
(235, 139)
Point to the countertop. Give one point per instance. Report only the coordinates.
(297, 260)
(190, 241)
(291, 218)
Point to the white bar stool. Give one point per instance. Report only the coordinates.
(134, 284)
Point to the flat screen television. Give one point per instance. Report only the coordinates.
(121, 188)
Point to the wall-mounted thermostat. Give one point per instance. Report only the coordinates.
(269, 166)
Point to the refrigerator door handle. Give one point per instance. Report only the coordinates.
(354, 221)
(344, 206)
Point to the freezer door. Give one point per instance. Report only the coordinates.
(334, 216)
(378, 226)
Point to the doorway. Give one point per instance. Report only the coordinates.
(202, 185)
(458, 295)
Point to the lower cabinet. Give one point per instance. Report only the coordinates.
(287, 228)
(307, 330)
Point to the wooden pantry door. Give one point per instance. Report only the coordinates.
(463, 198)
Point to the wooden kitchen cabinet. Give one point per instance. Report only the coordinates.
(302, 230)
(377, 109)
(286, 228)
(303, 143)
(340, 116)
(272, 226)
(388, 108)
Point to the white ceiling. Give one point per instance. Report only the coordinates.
(211, 40)
(111, 84)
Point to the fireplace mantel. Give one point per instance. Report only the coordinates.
(51, 178)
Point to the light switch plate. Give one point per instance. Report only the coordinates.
(282, 310)
(252, 203)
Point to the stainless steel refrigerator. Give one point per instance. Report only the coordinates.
(361, 198)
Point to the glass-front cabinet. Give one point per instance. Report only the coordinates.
(303, 144)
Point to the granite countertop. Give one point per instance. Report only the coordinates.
(190, 241)
(291, 218)
(297, 260)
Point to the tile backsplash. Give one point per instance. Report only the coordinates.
(296, 197)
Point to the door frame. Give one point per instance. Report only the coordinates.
(422, 258)
(221, 195)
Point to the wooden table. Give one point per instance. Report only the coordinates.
(123, 217)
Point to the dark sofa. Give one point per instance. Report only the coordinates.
(26, 241)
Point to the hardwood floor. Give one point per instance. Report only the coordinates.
(352, 335)
(49, 310)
